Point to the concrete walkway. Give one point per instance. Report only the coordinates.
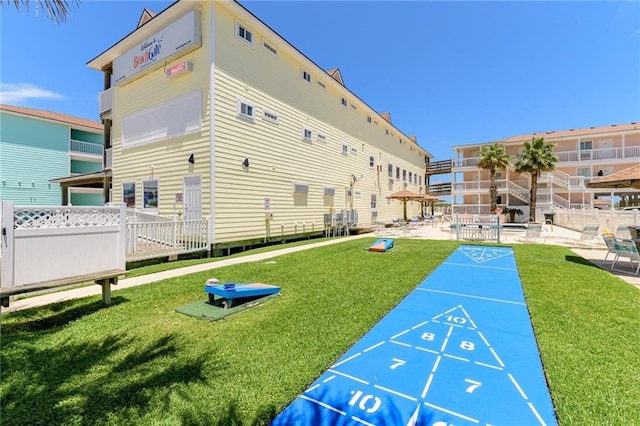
(555, 235)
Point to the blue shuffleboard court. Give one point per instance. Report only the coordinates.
(458, 350)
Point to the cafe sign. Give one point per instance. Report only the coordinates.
(176, 39)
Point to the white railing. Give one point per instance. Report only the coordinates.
(147, 239)
(632, 152)
(609, 220)
(465, 162)
(556, 177)
(87, 148)
(518, 191)
(105, 102)
(476, 227)
(598, 154)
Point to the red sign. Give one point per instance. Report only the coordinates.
(179, 68)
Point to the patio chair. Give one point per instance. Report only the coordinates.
(610, 240)
(532, 233)
(587, 237)
(626, 249)
(622, 232)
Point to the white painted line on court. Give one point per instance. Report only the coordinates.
(364, 382)
(401, 344)
(374, 346)
(472, 297)
(453, 413)
(468, 265)
(345, 360)
(396, 393)
(427, 350)
(364, 422)
(457, 357)
(535, 412)
(419, 325)
(517, 386)
(328, 379)
(497, 357)
(488, 365)
(322, 404)
(401, 333)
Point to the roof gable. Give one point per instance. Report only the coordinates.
(146, 16)
(336, 75)
(386, 116)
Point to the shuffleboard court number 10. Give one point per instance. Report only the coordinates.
(367, 403)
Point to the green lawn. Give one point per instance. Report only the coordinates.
(139, 362)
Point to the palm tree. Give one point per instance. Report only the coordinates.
(56, 10)
(493, 157)
(536, 156)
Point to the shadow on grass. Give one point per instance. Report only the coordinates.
(581, 261)
(47, 318)
(92, 383)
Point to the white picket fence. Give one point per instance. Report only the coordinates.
(149, 239)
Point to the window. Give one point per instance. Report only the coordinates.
(129, 194)
(372, 161)
(307, 134)
(368, 119)
(404, 175)
(150, 194)
(345, 149)
(386, 131)
(270, 116)
(244, 33)
(306, 76)
(410, 177)
(374, 201)
(585, 150)
(499, 199)
(583, 171)
(269, 48)
(397, 172)
(245, 109)
(390, 170)
(344, 102)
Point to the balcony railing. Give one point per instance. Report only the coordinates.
(105, 102)
(599, 154)
(86, 148)
(465, 162)
(109, 159)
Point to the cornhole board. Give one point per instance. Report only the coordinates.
(381, 245)
(240, 291)
(458, 350)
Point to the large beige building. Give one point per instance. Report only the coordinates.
(209, 112)
(583, 154)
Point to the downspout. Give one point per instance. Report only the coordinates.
(212, 129)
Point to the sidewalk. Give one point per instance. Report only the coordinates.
(554, 235)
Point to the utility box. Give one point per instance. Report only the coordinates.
(268, 215)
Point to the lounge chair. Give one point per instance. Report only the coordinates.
(626, 249)
(587, 237)
(610, 240)
(622, 232)
(532, 233)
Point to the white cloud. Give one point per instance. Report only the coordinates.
(20, 92)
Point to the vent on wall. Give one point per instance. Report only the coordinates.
(300, 188)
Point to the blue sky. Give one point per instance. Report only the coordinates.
(452, 73)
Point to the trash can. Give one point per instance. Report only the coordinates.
(634, 231)
(549, 216)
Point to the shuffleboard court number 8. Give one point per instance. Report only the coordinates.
(467, 346)
(428, 336)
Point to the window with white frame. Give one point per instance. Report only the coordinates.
(410, 177)
(244, 33)
(404, 175)
(368, 119)
(397, 172)
(129, 194)
(343, 101)
(246, 109)
(307, 134)
(583, 171)
(390, 170)
(372, 161)
(150, 194)
(270, 116)
(345, 149)
(306, 76)
(374, 201)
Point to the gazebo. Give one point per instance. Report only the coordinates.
(404, 196)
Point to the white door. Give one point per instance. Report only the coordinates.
(192, 203)
(606, 149)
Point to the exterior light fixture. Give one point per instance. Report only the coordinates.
(245, 163)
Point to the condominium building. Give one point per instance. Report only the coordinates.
(211, 113)
(583, 154)
(44, 153)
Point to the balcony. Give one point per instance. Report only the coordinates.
(607, 154)
(461, 163)
(87, 151)
(105, 103)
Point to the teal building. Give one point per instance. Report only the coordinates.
(41, 149)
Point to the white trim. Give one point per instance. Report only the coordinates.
(152, 210)
(307, 134)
